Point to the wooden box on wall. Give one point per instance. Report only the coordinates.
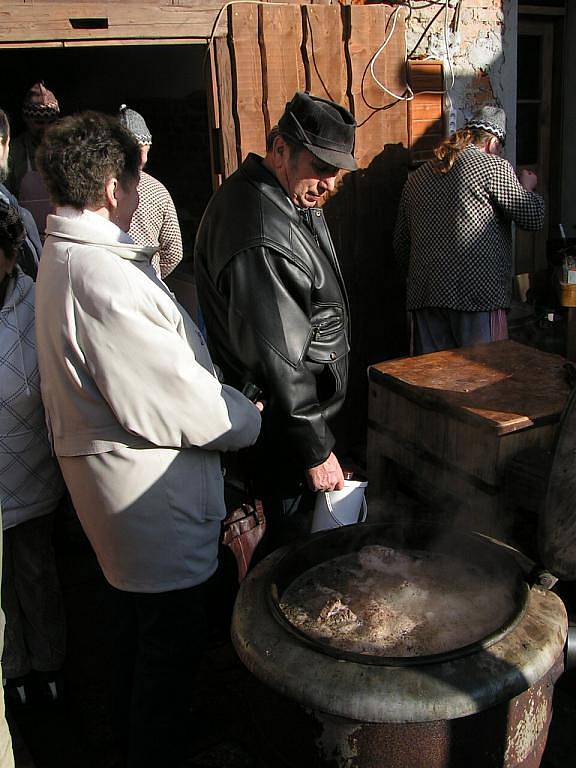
(426, 109)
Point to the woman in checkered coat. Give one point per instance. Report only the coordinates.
(454, 236)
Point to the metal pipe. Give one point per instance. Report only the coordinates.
(570, 649)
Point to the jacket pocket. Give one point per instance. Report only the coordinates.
(329, 340)
(194, 486)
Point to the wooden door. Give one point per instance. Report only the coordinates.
(534, 128)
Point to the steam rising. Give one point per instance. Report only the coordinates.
(392, 602)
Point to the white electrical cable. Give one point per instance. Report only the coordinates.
(445, 91)
(448, 56)
(210, 39)
(408, 93)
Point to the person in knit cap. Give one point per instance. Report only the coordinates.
(155, 221)
(32, 246)
(39, 110)
(454, 236)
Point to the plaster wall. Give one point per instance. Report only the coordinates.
(482, 45)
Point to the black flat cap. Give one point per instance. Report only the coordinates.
(325, 128)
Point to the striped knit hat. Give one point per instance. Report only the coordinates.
(40, 105)
(136, 124)
(491, 119)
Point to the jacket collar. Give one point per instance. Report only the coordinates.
(268, 185)
(91, 229)
(19, 287)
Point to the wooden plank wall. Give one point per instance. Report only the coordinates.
(325, 49)
(272, 52)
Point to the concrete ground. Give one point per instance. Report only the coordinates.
(57, 736)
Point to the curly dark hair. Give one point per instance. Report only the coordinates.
(449, 149)
(12, 232)
(80, 154)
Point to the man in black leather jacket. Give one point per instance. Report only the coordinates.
(273, 298)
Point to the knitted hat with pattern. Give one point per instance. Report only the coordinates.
(40, 105)
(491, 119)
(136, 124)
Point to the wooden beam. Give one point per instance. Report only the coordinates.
(113, 43)
(541, 10)
(230, 153)
(102, 22)
(282, 63)
(246, 78)
(37, 44)
(326, 63)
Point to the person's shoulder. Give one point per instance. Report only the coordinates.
(419, 178)
(152, 186)
(25, 282)
(6, 195)
(422, 171)
(498, 163)
(24, 291)
(110, 286)
(474, 156)
(237, 198)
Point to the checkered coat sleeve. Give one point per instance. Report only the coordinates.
(453, 234)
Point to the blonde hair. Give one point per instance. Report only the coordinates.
(447, 152)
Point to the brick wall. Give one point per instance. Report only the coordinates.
(477, 50)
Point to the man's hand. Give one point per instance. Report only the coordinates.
(528, 179)
(327, 476)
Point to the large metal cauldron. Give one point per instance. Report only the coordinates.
(481, 705)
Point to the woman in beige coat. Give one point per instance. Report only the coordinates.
(136, 414)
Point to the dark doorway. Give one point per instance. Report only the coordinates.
(162, 82)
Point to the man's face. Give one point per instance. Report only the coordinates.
(494, 147)
(144, 149)
(127, 199)
(36, 129)
(305, 178)
(4, 152)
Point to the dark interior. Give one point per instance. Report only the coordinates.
(162, 82)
